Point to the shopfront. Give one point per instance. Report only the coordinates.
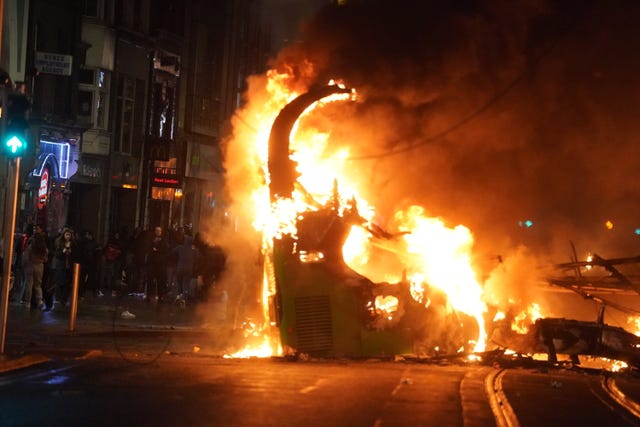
(87, 194)
(165, 203)
(47, 191)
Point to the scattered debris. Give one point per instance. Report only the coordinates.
(128, 315)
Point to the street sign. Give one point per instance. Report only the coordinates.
(53, 63)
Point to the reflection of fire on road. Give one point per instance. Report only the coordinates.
(335, 283)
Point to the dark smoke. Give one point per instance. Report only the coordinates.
(489, 113)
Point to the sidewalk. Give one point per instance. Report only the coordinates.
(125, 324)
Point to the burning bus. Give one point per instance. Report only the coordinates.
(323, 307)
(337, 284)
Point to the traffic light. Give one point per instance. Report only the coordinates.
(525, 224)
(15, 123)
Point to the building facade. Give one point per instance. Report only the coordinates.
(130, 100)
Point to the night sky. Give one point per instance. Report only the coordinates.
(489, 113)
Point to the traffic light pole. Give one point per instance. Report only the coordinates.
(8, 234)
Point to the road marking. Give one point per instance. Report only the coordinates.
(502, 410)
(90, 354)
(609, 385)
(22, 362)
(313, 387)
(404, 380)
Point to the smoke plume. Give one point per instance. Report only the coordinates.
(514, 118)
(490, 113)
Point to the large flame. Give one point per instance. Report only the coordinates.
(427, 252)
(430, 254)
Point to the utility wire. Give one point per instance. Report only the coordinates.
(497, 97)
(163, 347)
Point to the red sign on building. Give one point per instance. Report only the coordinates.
(43, 190)
(165, 177)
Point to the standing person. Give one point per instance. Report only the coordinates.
(65, 254)
(211, 265)
(174, 240)
(138, 250)
(33, 259)
(89, 262)
(157, 266)
(187, 257)
(48, 282)
(112, 267)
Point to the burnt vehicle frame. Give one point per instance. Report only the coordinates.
(321, 306)
(575, 338)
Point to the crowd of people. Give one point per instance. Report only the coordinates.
(157, 265)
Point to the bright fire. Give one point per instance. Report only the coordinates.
(429, 253)
(526, 318)
(634, 325)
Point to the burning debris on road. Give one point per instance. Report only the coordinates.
(335, 182)
(320, 254)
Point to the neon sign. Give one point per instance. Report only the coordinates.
(60, 152)
(165, 177)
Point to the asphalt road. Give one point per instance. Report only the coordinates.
(111, 389)
(166, 367)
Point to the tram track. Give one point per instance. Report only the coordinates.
(502, 410)
(610, 387)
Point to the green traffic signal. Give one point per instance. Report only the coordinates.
(15, 124)
(15, 145)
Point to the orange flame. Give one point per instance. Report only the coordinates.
(634, 324)
(430, 254)
(427, 252)
(526, 318)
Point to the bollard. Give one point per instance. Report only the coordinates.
(74, 297)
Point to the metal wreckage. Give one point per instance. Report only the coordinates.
(574, 338)
(323, 308)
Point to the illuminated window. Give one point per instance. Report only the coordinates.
(159, 193)
(163, 114)
(93, 97)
